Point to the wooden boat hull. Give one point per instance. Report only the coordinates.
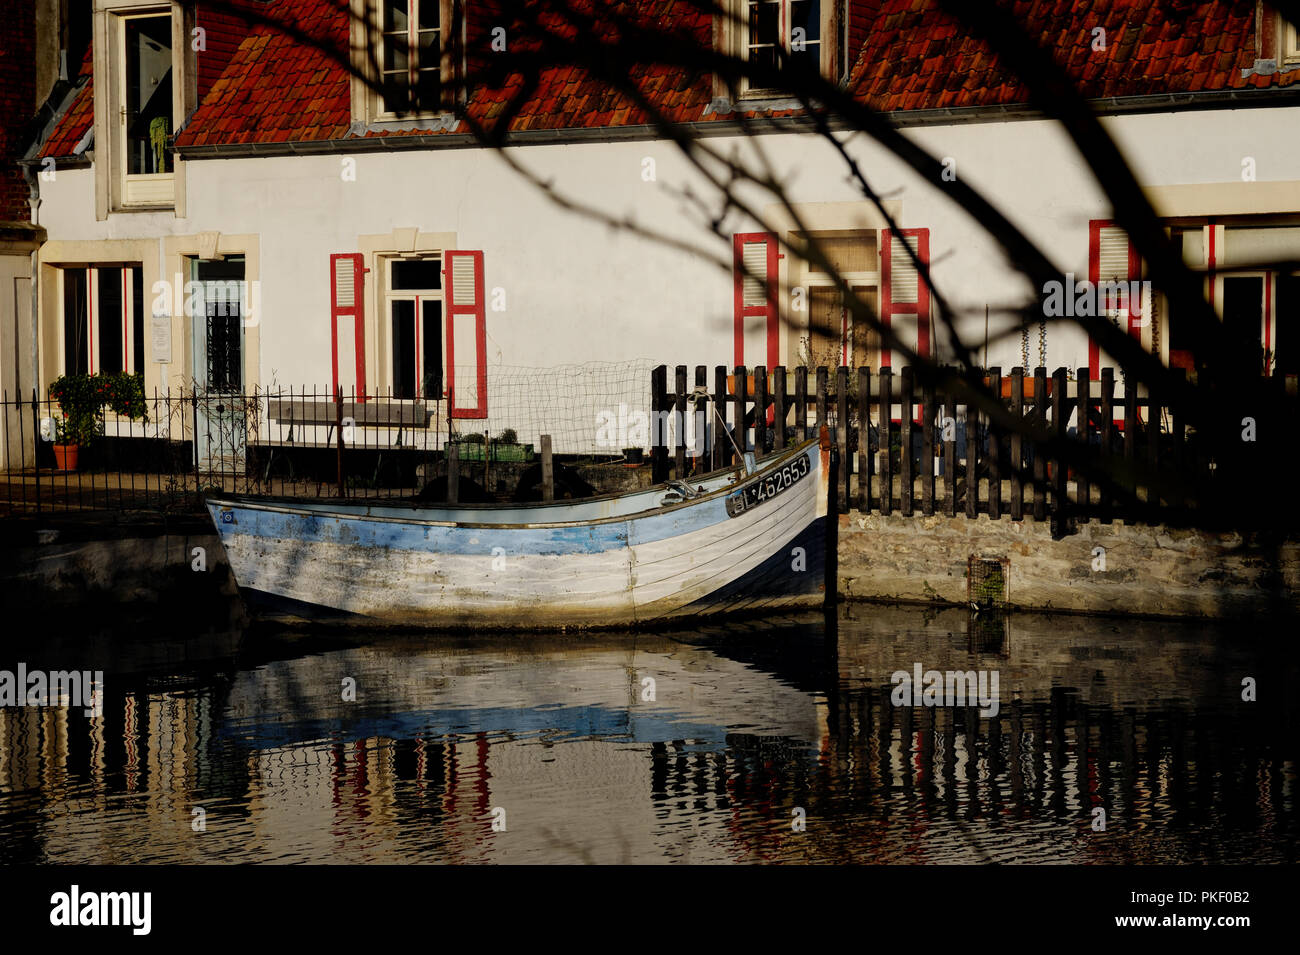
(752, 545)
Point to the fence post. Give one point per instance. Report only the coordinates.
(658, 437)
(886, 441)
(760, 409)
(831, 584)
(950, 455)
(822, 413)
(679, 423)
(338, 435)
(1040, 463)
(703, 426)
(972, 498)
(1153, 453)
(1060, 478)
(864, 440)
(548, 470)
(927, 450)
(780, 406)
(1016, 467)
(1130, 447)
(842, 434)
(718, 421)
(1104, 498)
(905, 475)
(194, 433)
(1083, 486)
(36, 444)
(801, 401)
(1178, 435)
(742, 399)
(995, 450)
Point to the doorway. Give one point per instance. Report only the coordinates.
(218, 330)
(1243, 319)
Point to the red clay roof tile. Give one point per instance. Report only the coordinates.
(913, 55)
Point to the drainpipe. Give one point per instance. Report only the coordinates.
(33, 177)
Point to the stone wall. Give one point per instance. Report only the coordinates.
(78, 568)
(1156, 571)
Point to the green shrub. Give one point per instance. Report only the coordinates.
(83, 398)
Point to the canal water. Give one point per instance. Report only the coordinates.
(786, 741)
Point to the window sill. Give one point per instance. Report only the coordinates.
(147, 193)
(429, 122)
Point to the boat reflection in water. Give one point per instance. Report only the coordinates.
(698, 746)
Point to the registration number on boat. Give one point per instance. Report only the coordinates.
(782, 479)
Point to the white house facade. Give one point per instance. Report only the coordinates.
(390, 255)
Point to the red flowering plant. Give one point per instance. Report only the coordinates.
(83, 398)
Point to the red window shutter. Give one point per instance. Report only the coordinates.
(903, 289)
(755, 259)
(1111, 258)
(463, 285)
(348, 319)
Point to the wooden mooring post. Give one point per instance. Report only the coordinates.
(548, 470)
(453, 473)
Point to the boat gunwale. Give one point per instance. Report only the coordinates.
(285, 505)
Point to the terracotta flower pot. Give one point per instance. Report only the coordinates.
(66, 456)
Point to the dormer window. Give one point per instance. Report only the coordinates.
(146, 113)
(1290, 49)
(141, 49)
(403, 51)
(795, 35)
(777, 30)
(410, 54)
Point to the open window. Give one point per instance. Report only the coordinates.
(835, 332)
(788, 34)
(141, 52)
(414, 311)
(405, 54)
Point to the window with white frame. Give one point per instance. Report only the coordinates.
(103, 319)
(1290, 48)
(784, 34)
(413, 312)
(403, 51)
(142, 105)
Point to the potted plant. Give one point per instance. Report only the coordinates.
(82, 400)
(471, 446)
(506, 447)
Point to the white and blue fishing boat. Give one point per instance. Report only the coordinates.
(737, 541)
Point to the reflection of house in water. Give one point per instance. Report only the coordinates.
(1147, 725)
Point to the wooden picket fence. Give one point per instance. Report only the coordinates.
(1084, 449)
